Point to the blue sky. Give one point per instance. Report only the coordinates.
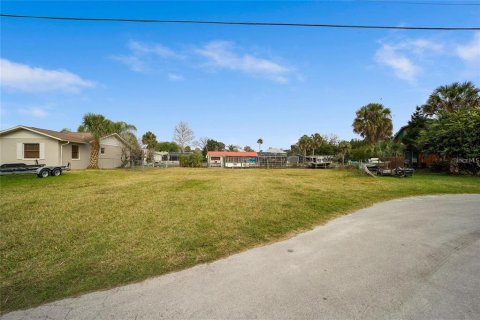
(230, 83)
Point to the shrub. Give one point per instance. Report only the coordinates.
(440, 166)
(193, 160)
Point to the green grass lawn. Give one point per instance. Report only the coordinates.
(90, 230)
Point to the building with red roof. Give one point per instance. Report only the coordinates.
(232, 159)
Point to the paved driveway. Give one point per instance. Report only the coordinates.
(413, 258)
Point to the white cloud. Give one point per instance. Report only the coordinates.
(471, 51)
(140, 48)
(134, 63)
(402, 66)
(404, 57)
(17, 76)
(221, 54)
(142, 54)
(36, 112)
(422, 46)
(175, 77)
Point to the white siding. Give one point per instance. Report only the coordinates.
(11, 148)
(19, 151)
(42, 151)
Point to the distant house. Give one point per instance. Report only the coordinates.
(413, 158)
(231, 159)
(22, 144)
(273, 158)
(168, 159)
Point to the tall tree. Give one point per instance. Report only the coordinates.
(452, 97)
(316, 141)
(418, 122)
(247, 149)
(126, 131)
(98, 126)
(167, 146)
(453, 135)
(344, 147)
(213, 145)
(232, 147)
(304, 144)
(373, 122)
(150, 139)
(200, 143)
(260, 142)
(182, 135)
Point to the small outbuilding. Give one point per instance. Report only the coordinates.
(232, 159)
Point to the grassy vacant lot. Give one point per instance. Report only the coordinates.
(91, 230)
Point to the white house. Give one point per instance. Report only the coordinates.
(22, 144)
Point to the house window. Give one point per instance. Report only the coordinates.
(102, 150)
(31, 150)
(75, 153)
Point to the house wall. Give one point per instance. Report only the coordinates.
(84, 152)
(54, 152)
(112, 156)
(215, 163)
(11, 148)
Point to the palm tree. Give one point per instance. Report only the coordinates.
(99, 126)
(373, 122)
(304, 144)
(344, 148)
(260, 142)
(126, 131)
(452, 97)
(149, 139)
(316, 142)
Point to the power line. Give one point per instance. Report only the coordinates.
(407, 2)
(271, 24)
(429, 3)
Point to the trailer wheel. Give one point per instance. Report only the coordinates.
(56, 172)
(43, 173)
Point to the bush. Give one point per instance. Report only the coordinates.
(440, 166)
(193, 160)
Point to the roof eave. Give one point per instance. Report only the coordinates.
(40, 133)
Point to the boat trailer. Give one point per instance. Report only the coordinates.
(41, 170)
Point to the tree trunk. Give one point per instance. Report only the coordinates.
(94, 155)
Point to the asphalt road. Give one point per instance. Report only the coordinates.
(413, 258)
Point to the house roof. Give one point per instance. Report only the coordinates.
(274, 150)
(77, 137)
(401, 132)
(231, 154)
(74, 137)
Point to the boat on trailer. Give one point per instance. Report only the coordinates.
(41, 170)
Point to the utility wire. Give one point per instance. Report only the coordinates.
(273, 24)
(427, 3)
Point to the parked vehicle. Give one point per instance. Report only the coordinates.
(41, 170)
(377, 167)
